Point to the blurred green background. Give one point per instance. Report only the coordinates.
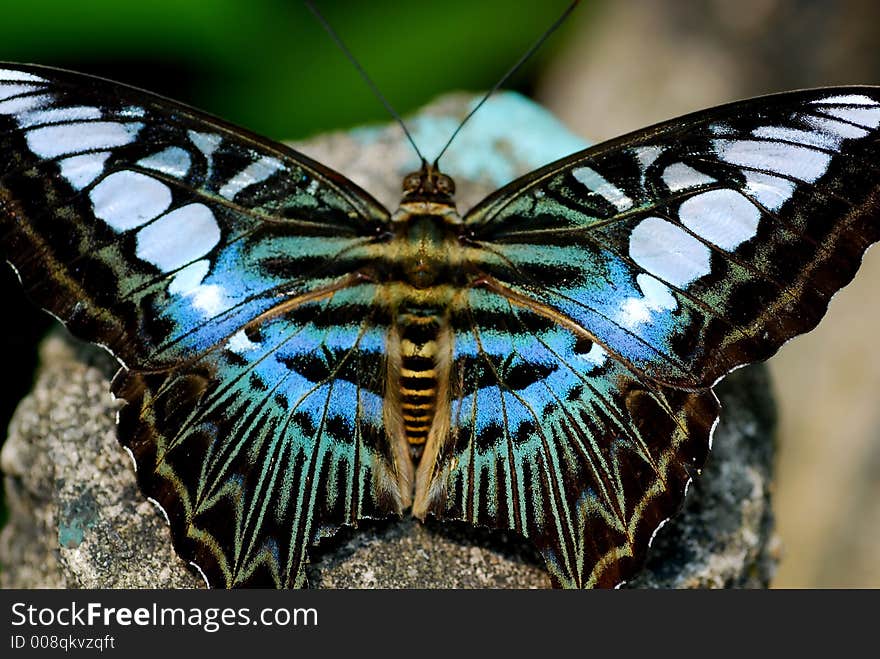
(267, 65)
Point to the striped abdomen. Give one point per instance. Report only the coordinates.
(418, 377)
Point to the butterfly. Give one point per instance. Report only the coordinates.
(296, 358)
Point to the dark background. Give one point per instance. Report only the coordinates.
(616, 66)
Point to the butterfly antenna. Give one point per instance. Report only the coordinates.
(351, 58)
(513, 69)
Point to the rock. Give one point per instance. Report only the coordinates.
(76, 516)
(77, 519)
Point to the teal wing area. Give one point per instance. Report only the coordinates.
(225, 272)
(555, 439)
(269, 441)
(613, 288)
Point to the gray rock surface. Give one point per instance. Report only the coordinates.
(77, 519)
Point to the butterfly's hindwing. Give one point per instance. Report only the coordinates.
(221, 269)
(270, 441)
(555, 439)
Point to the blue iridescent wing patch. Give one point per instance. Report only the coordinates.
(556, 439)
(268, 442)
(615, 287)
(170, 238)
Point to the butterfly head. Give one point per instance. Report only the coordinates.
(428, 184)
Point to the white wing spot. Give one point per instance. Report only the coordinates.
(239, 343)
(679, 176)
(646, 155)
(80, 171)
(721, 128)
(54, 141)
(832, 126)
(206, 298)
(126, 200)
(867, 117)
(189, 278)
(172, 161)
(595, 182)
(132, 111)
(57, 115)
(849, 99)
(24, 103)
(769, 191)
(8, 91)
(19, 76)
(821, 140)
(179, 237)
(800, 162)
(722, 217)
(668, 252)
(656, 297)
(254, 173)
(596, 355)
(210, 300)
(207, 143)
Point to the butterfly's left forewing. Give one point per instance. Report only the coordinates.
(613, 288)
(223, 271)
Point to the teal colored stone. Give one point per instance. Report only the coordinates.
(508, 135)
(76, 517)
